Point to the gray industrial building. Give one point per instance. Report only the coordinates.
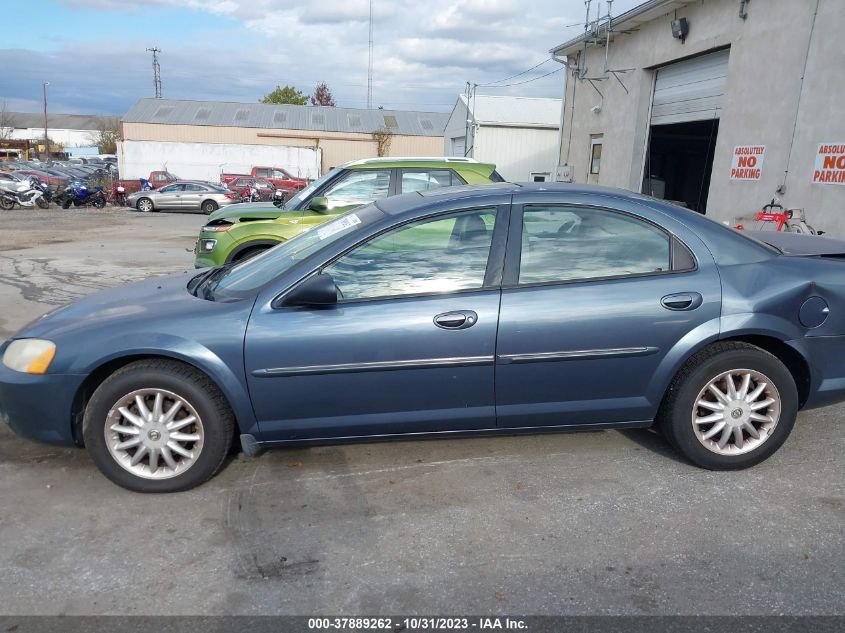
(717, 104)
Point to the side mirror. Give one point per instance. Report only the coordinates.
(318, 290)
(318, 204)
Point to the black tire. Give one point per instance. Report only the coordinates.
(42, 203)
(100, 202)
(248, 253)
(141, 202)
(209, 207)
(6, 204)
(675, 418)
(193, 387)
(66, 204)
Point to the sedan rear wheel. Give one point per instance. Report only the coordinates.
(209, 207)
(145, 205)
(731, 406)
(158, 426)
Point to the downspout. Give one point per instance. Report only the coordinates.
(562, 115)
(782, 188)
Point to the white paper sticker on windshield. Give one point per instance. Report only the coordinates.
(338, 225)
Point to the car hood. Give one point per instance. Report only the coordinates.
(797, 244)
(125, 306)
(264, 210)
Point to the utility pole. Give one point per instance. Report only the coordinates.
(370, 64)
(46, 139)
(156, 71)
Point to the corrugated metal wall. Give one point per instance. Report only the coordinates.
(337, 147)
(517, 152)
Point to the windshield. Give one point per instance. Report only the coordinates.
(252, 274)
(298, 199)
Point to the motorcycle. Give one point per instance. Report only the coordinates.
(120, 196)
(26, 194)
(279, 198)
(254, 195)
(78, 194)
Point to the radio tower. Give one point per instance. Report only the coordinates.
(370, 64)
(156, 71)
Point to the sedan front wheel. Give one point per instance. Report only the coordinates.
(731, 406)
(158, 426)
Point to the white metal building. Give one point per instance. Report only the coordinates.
(67, 130)
(717, 104)
(519, 134)
(201, 139)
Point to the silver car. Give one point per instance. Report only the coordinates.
(185, 195)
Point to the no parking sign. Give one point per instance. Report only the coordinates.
(747, 162)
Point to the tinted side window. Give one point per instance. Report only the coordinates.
(574, 243)
(359, 187)
(438, 255)
(425, 179)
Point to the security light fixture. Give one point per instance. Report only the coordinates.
(680, 29)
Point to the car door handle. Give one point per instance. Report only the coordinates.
(459, 320)
(682, 301)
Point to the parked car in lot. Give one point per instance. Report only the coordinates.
(281, 178)
(157, 179)
(237, 234)
(187, 195)
(456, 312)
(242, 186)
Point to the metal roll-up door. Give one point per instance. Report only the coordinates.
(691, 90)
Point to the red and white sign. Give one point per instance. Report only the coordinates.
(747, 162)
(830, 164)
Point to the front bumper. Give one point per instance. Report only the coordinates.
(39, 407)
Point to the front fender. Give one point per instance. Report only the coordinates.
(231, 382)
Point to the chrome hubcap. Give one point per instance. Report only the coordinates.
(736, 412)
(154, 433)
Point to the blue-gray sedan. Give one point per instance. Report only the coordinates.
(472, 310)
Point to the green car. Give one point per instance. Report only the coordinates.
(240, 231)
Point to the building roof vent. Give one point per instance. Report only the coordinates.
(202, 114)
(390, 121)
(280, 117)
(426, 124)
(241, 116)
(354, 120)
(163, 112)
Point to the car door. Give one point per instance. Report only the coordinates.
(170, 196)
(409, 348)
(193, 195)
(595, 303)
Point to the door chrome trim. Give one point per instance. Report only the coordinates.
(346, 368)
(581, 354)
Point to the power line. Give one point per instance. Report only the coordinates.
(527, 81)
(545, 61)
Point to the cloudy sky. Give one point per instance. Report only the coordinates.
(93, 51)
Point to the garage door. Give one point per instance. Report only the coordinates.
(691, 90)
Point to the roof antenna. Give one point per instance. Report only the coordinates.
(370, 64)
(156, 71)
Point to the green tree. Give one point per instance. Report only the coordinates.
(288, 94)
(322, 95)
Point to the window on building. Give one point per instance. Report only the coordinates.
(595, 153)
(568, 243)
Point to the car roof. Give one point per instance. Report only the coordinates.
(423, 161)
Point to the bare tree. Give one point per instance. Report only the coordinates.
(383, 138)
(7, 123)
(322, 95)
(107, 135)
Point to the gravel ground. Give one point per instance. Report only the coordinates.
(585, 523)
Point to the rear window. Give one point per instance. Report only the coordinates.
(496, 177)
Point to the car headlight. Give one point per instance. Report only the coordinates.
(29, 355)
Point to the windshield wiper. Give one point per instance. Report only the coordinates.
(205, 286)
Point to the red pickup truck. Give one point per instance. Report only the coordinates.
(281, 178)
(157, 179)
